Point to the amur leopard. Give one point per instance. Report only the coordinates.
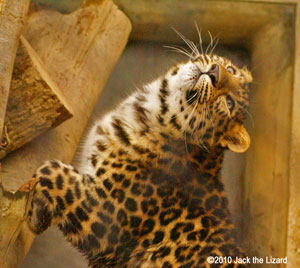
(148, 192)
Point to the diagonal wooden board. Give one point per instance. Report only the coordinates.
(12, 15)
(35, 103)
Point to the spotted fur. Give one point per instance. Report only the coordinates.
(148, 192)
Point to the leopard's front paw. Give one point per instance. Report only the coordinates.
(39, 215)
(41, 211)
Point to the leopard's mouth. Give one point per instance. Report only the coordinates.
(205, 86)
(207, 81)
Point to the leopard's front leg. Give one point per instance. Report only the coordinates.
(57, 188)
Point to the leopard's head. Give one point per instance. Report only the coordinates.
(212, 98)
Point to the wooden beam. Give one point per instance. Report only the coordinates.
(12, 15)
(266, 184)
(233, 22)
(293, 238)
(35, 103)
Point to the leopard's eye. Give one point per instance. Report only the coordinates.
(231, 69)
(230, 103)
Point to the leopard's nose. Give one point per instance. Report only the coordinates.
(214, 74)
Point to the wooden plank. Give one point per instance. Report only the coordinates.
(35, 103)
(266, 188)
(293, 231)
(12, 15)
(234, 22)
(293, 238)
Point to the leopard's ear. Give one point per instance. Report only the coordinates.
(247, 75)
(238, 140)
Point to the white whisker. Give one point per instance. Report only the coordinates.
(187, 101)
(187, 120)
(182, 37)
(200, 143)
(251, 118)
(180, 51)
(189, 43)
(215, 45)
(200, 38)
(210, 44)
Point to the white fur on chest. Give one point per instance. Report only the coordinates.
(126, 114)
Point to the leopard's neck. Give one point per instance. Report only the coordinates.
(190, 166)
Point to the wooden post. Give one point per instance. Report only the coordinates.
(12, 15)
(266, 188)
(293, 238)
